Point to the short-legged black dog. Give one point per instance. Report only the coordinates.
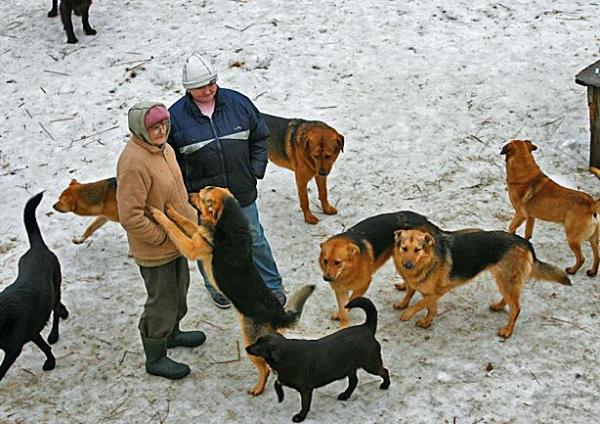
(26, 304)
(81, 8)
(305, 365)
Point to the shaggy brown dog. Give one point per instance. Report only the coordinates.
(534, 195)
(91, 199)
(349, 259)
(81, 8)
(435, 263)
(309, 148)
(224, 245)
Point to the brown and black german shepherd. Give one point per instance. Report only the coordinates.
(534, 195)
(224, 245)
(98, 198)
(349, 259)
(309, 148)
(433, 263)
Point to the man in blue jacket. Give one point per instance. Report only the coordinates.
(220, 139)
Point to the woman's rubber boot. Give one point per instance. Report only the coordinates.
(157, 362)
(185, 338)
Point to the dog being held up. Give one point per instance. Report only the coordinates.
(305, 365)
(26, 304)
(223, 243)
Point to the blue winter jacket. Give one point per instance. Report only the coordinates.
(227, 150)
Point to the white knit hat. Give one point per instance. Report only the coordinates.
(198, 71)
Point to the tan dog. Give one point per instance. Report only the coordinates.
(309, 148)
(224, 245)
(98, 198)
(349, 260)
(534, 195)
(433, 264)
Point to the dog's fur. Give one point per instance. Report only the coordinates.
(309, 149)
(349, 259)
(26, 304)
(534, 195)
(435, 263)
(224, 245)
(305, 365)
(80, 8)
(98, 198)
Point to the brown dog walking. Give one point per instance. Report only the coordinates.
(534, 195)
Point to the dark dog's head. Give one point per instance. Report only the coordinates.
(323, 144)
(413, 250)
(338, 256)
(210, 202)
(67, 202)
(517, 147)
(268, 347)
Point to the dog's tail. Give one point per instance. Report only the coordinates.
(546, 272)
(293, 309)
(31, 225)
(367, 306)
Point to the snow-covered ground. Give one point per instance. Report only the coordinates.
(426, 93)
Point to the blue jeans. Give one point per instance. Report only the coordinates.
(261, 253)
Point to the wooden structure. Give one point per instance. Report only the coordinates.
(590, 77)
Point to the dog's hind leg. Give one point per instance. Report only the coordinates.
(352, 383)
(91, 229)
(377, 368)
(306, 396)
(510, 279)
(86, 23)
(54, 11)
(596, 252)
(65, 16)
(10, 356)
(263, 375)
(529, 227)
(279, 391)
(575, 246)
(44, 347)
(301, 186)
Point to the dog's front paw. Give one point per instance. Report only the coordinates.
(310, 218)
(343, 396)
(505, 332)
(169, 210)
(400, 286)
(298, 418)
(329, 210)
(400, 305)
(53, 13)
(90, 31)
(335, 316)
(78, 240)
(423, 323)
(50, 364)
(571, 270)
(72, 40)
(591, 272)
(256, 390)
(405, 316)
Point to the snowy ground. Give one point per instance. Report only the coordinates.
(426, 93)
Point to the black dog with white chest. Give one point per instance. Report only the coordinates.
(305, 365)
(81, 8)
(26, 304)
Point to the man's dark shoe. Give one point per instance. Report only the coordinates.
(280, 295)
(157, 362)
(218, 299)
(185, 338)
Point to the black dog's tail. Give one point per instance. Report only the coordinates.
(294, 306)
(31, 225)
(367, 306)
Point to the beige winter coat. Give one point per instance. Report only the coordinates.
(149, 176)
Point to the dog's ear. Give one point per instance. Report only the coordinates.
(340, 142)
(398, 236)
(428, 240)
(352, 250)
(532, 147)
(275, 354)
(73, 182)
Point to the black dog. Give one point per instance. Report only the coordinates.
(306, 365)
(26, 304)
(81, 8)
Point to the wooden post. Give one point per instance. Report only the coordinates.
(590, 77)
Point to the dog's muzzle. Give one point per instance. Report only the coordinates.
(323, 172)
(328, 278)
(408, 265)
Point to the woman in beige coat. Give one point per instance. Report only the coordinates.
(148, 175)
